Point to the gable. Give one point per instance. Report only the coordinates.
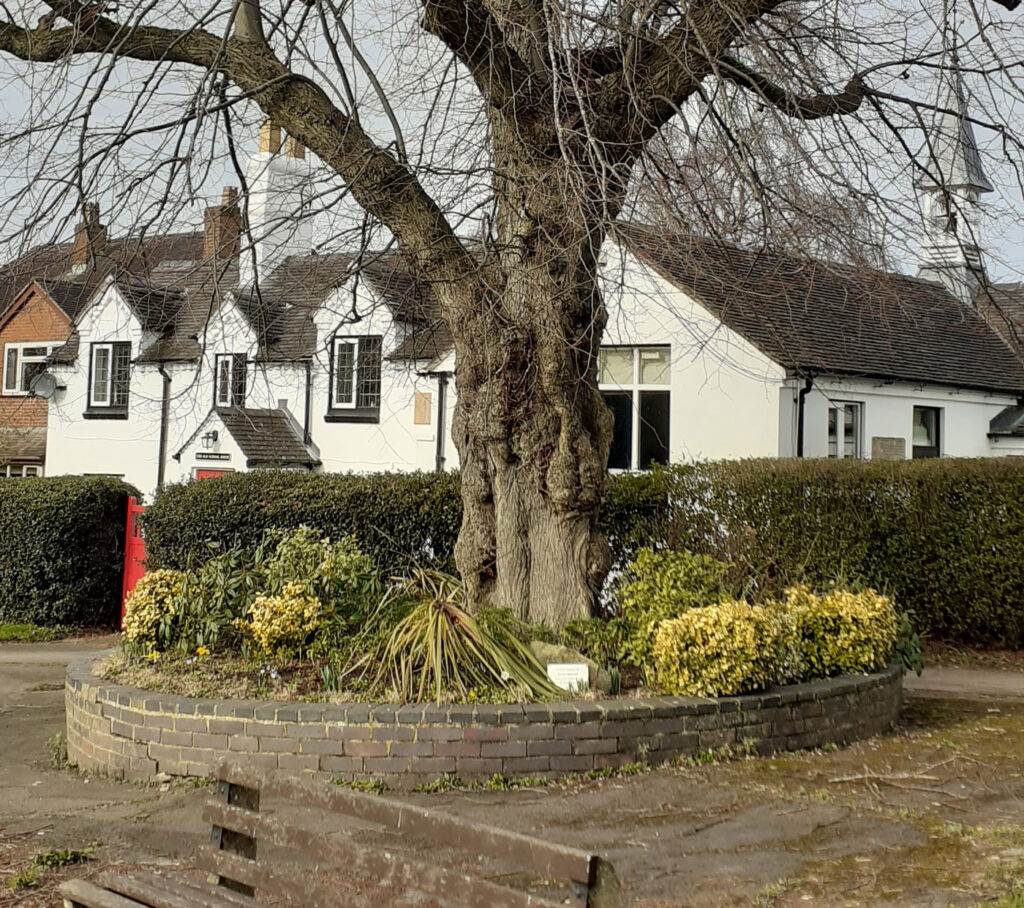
(33, 315)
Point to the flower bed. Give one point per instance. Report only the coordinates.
(134, 734)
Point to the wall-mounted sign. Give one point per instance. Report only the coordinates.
(211, 455)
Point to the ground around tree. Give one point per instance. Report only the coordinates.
(930, 815)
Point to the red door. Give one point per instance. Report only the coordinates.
(210, 474)
(134, 552)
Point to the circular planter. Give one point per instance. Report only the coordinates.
(135, 734)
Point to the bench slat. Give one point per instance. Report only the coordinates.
(543, 858)
(228, 897)
(161, 892)
(406, 875)
(83, 894)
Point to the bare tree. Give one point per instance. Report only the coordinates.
(574, 103)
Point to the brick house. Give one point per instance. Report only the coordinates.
(41, 294)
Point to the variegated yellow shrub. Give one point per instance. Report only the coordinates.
(842, 632)
(714, 651)
(284, 624)
(153, 602)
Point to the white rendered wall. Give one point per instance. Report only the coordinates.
(888, 410)
(724, 401)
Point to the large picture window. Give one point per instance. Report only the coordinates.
(229, 380)
(844, 430)
(109, 376)
(23, 362)
(355, 378)
(635, 384)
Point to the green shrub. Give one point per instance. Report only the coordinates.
(151, 611)
(662, 585)
(603, 641)
(62, 550)
(843, 632)
(713, 651)
(283, 625)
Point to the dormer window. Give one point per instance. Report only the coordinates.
(355, 379)
(109, 377)
(229, 380)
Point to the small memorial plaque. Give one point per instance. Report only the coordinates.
(572, 676)
(888, 448)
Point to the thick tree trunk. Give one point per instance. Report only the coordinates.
(531, 427)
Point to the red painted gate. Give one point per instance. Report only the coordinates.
(134, 552)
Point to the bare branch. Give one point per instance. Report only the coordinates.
(810, 108)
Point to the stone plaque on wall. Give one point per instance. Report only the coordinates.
(888, 448)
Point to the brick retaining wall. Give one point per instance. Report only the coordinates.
(134, 734)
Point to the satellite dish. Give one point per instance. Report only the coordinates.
(43, 385)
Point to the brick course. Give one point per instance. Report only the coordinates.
(133, 734)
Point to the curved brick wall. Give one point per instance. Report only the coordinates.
(134, 734)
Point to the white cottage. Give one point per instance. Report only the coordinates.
(283, 358)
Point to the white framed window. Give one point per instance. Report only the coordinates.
(845, 430)
(22, 471)
(355, 375)
(23, 362)
(109, 375)
(635, 384)
(229, 380)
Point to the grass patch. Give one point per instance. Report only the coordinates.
(31, 633)
(51, 859)
(371, 786)
(58, 749)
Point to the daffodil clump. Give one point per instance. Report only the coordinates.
(151, 606)
(284, 624)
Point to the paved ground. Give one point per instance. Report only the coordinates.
(966, 683)
(930, 816)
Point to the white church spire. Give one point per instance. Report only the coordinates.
(951, 184)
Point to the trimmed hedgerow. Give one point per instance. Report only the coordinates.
(398, 519)
(62, 550)
(944, 538)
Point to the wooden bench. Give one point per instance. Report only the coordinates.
(239, 830)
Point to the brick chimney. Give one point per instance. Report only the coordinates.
(221, 227)
(90, 236)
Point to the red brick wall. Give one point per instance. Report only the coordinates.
(37, 319)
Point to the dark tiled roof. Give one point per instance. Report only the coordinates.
(819, 318)
(1002, 306)
(267, 437)
(1008, 422)
(425, 342)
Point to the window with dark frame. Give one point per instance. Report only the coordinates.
(109, 376)
(229, 384)
(926, 432)
(634, 382)
(355, 378)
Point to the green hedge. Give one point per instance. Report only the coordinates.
(62, 550)
(944, 537)
(396, 517)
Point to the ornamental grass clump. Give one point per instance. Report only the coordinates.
(843, 632)
(151, 608)
(438, 650)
